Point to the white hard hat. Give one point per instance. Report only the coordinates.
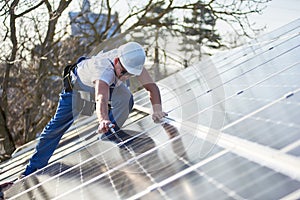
(132, 56)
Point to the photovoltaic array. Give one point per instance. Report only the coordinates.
(232, 132)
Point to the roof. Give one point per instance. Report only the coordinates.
(232, 133)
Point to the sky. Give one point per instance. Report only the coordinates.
(278, 13)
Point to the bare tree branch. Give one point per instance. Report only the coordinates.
(31, 9)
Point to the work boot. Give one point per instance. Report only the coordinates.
(21, 176)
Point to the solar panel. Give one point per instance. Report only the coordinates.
(232, 133)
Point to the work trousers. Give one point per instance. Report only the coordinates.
(121, 102)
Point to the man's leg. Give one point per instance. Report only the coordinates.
(122, 103)
(52, 134)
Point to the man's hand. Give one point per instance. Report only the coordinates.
(104, 126)
(157, 116)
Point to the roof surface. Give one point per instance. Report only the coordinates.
(233, 132)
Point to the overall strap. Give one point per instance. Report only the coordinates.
(111, 62)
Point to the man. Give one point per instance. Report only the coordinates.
(100, 77)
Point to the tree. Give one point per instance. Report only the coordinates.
(24, 82)
(37, 45)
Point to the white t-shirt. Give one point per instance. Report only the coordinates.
(98, 67)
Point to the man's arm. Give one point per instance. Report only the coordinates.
(155, 98)
(102, 96)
